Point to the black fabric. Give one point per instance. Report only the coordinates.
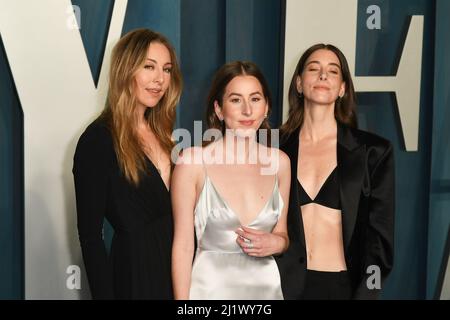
(139, 264)
(365, 166)
(328, 195)
(325, 285)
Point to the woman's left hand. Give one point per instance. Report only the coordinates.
(257, 243)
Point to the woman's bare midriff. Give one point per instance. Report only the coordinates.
(323, 236)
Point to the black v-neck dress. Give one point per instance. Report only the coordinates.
(139, 264)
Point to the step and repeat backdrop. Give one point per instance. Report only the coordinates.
(54, 58)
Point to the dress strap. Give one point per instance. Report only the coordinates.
(203, 165)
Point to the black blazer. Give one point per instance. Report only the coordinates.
(366, 176)
(138, 263)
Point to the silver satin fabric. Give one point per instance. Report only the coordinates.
(221, 270)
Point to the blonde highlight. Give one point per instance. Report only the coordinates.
(120, 112)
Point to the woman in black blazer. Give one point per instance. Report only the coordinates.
(122, 172)
(341, 207)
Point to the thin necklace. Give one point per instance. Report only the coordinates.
(154, 160)
(154, 157)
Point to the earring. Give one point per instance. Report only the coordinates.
(300, 94)
(265, 116)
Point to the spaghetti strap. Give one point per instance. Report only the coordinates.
(220, 264)
(204, 165)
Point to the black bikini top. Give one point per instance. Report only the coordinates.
(328, 195)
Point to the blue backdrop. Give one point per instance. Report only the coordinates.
(439, 207)
(207, 34)
(378, 54)
(11, 185)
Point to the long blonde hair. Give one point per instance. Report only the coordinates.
(120, 113)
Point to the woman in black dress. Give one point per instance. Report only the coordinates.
(122, 173)
(341, 207)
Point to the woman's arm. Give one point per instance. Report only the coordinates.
(91, 183)
(184, 195)
(263, 243)
(379, 243)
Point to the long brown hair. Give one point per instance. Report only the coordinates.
(222, 77)
(120, 113)
(345, 107)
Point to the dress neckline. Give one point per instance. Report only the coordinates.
(156, 171)
(275, 187)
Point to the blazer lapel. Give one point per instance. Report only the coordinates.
(291, 148)
(294, 217)
(351, 168)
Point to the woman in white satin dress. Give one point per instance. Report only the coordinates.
(231, 194)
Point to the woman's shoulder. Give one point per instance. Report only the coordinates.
(377, 148)
(371, 139)
(279, 157)
(284, 160)
(189, 162)
(279, 154)
(189, 166)
(189, 156)
(96, 139)
(97, 129)
(97, 132)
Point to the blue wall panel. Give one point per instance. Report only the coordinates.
(202, 53)
(254, 31)
(94, 24)
(236, 30)
(378, 53)
(11, 185)
(439, 215)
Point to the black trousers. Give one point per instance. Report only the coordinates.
(324, 285)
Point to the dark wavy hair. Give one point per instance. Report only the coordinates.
(222, 78)
(345, 107)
